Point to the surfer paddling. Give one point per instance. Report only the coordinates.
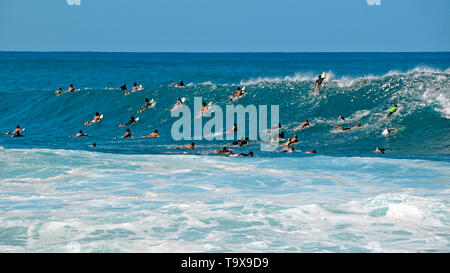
(347, 128)
(147, 104)
(131, 121)
(96, 119)
(154, 134)
(180, 84)
(318, 83)
(17, 132)
(188, 146)
(239, 92)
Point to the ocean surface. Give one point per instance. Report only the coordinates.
(143, 195)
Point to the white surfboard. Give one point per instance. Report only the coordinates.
(178, 104)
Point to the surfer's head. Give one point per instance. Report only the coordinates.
(146, 99)
(134, 84)
(250, 153)
(97, 114)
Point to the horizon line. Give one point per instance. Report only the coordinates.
(215, 52)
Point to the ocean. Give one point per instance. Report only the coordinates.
(144, 195)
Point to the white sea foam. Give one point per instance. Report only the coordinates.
(316, 204)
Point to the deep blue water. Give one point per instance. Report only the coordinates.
(360, 86)
(143, 195)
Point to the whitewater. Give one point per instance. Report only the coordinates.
(141, 194)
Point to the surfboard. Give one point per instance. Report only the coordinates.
(235, 97)
(135, 121)
(208, 106)
(392, 131)
(94, 121)
(178, 104)
(298, 128)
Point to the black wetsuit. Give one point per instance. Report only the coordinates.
(131, 121)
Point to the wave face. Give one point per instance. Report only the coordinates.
(360, 86)
(70, 201)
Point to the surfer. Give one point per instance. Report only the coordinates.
(289, 149)
(312, 152)
(96, 118)
(341, 117)
(70, 89)
(81, 134)
(123, 87)
(347, 128)
(224, 151)
(304, 124)
(241, 142)
(17, 132)
(238, 93)
(392, 110)
(281, 136)
(250, 154)
(319, 81)
(131, 121)
(93, 145)
(146, 104)
(233, 129)
(291, 140)
(59, 91)
(388, 131)
(188, 146)
(379, 150)
(127, 133)
(180, 84)
(204, 107)
(154, 134)
(135, 87)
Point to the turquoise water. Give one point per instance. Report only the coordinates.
(141, 194)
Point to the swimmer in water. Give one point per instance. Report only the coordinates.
(93, 145)
(319, 81)
(241, 142)
(233, 129)
(154, 134)
(189, 146)
(131, 121)
(312, 152)
(341, 118)
(238, 93)
(95, 119)
(250, 154)
(291, 140)
(379, 150)
(71, 89)
(81, 134)
(127, 133)
(305, 124)
(146, 105)
(180, 84)
(225, 151)
(289, 149)
(347, 128)
(123, 87)
(59, 91)
(17, 132)
(392, 110)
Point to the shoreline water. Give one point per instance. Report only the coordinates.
(142, 195)
(71, 201)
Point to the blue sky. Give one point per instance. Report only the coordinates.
(225, 25)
